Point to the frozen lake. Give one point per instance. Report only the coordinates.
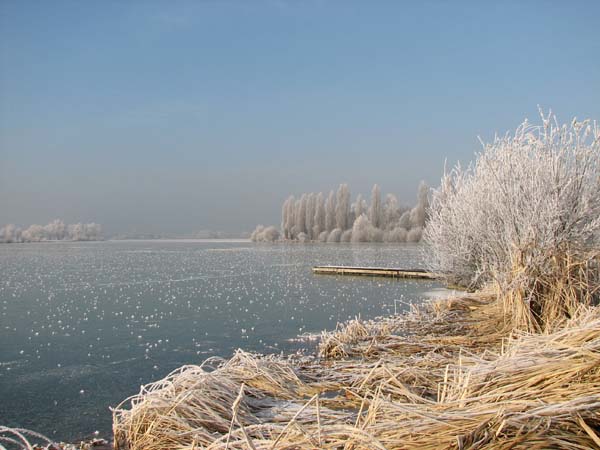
(83, 325)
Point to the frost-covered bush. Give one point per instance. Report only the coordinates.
(414, 235)
(264, 234)
(335, 235)
(346, 236)
(302, 237)
(271, 234)
(398, 234)
(257, 232)
(360, 229)
(364, 231)
(529, 198)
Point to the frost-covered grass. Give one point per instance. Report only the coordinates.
(525, 216)
(443, 376)
(19, 438)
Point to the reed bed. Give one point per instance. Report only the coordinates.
(446, 375)
(470, 321)
(542, 297)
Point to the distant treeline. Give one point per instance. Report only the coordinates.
(201, 234)
(54, 231)
(312, 217)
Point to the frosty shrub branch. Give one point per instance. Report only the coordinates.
(314, 217)
(525, 217)
(54, 231)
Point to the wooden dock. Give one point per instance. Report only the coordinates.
(375, 272)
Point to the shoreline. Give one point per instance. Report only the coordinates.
(445, 374)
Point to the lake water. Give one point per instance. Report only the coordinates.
(83, 325)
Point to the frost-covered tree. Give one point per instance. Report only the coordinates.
(290, 215)
(84, 232)
(418, 213)
(342, 207)
(76, 232)
(310, 214)
(287, 216)
(10, 234)
(404, 220)
(56, 230)
(359, 206)
(330, 212)
(284, 221)
(300, 221)
(313, 215)
(391, 212)
(35, 233)
(524, 217)
(319, 220)
(375, 207)
(360, 229)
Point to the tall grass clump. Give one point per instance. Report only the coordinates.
(525, 218)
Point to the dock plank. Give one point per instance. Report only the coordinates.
(375, 272)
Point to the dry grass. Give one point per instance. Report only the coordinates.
(444, 376)
(19, 438)
(542, 297)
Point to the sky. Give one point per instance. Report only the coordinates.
(175, 116)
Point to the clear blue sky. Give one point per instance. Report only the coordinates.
(177, 116)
